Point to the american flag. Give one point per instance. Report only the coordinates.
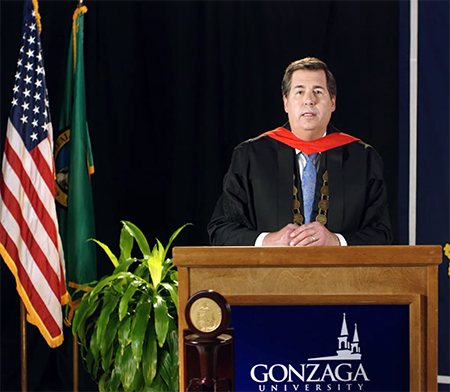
(29, 239)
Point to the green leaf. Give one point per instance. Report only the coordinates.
(126, 366)
(154, 265)
(161, 319)
(143, 271)
(138, 328)
(126, 245)
(174, 275)
(154, 250)
(165, 368)
(138, 382)
(124, 265)
(123, 306)
(138, 236)
(107, 346)
(117, 287)
(105, 281)
(84, 311)
(158, 251)
(102, 383)
(172, 342)
(167, 266)
(82, 288)
(89, 326)
(173, 291)
(110, 254)
(124, 332)
(94, 350)
(116, 280)
(89, 361)
(103, 319)
(149, 355)
(173, 236)
(158, 385)
(114, 382)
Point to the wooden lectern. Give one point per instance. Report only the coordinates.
(361, 275)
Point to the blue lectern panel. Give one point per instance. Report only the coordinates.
(321, 348)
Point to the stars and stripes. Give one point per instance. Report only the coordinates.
(29, 240)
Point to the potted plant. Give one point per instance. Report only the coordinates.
(127, 325)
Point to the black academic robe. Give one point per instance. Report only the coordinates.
(258, 191)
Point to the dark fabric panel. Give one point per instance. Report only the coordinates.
(433, 180)
(403, 116)
(172, 87)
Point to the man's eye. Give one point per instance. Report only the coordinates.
(318, 91)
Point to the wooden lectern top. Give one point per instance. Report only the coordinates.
(249, 256)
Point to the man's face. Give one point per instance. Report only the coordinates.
(309, 105)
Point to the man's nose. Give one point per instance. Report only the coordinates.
(310, 98)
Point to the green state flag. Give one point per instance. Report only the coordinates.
(74, 166)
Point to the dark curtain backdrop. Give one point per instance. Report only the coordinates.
(172, 88)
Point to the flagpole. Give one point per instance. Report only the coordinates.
(75, 229)
(23, 347)
(75, 337)
(75, 362)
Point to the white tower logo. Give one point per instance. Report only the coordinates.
(346, 350)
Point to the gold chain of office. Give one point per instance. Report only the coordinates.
(323, 204)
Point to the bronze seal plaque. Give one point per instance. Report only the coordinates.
(208, 314)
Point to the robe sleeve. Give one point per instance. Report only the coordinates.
(374, 226)
(233, 221)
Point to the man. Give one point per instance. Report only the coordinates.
(274, 178)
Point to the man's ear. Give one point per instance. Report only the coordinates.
(285, 103)
(333, 105)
